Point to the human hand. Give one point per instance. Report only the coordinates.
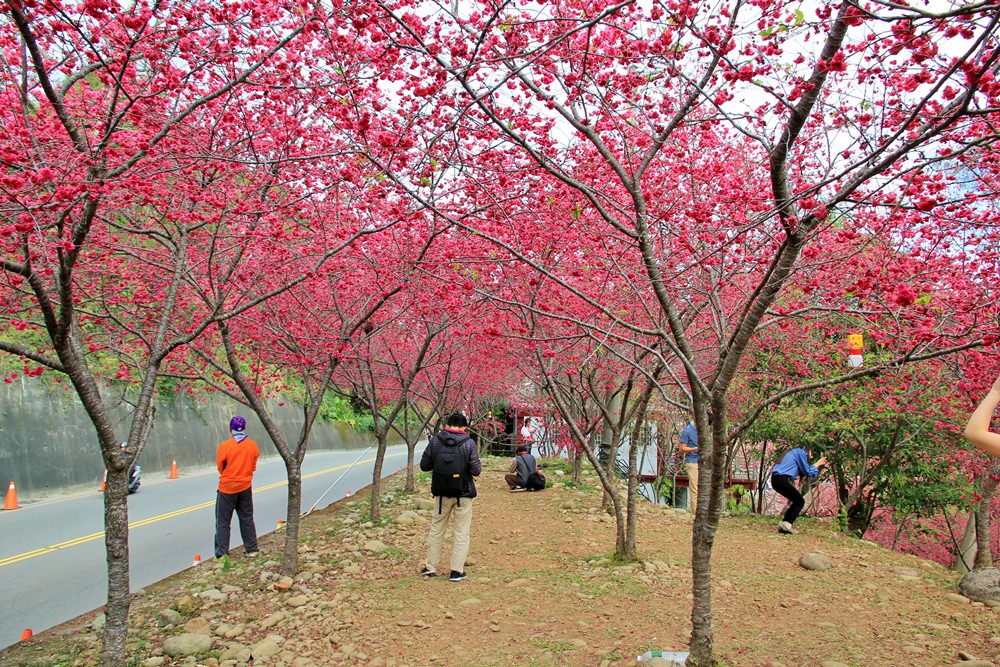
(996, 385)
(821, 462)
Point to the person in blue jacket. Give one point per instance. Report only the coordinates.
(793, 465)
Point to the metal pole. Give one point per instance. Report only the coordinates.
(337, 481)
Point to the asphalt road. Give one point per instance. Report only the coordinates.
(52, 558)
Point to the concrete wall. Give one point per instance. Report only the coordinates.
(47, 442)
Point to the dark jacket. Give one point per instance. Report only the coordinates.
(473, 466)
(526, 465)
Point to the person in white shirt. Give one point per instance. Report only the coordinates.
(527, 434)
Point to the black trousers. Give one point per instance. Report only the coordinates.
(784, 485)
(225, 503)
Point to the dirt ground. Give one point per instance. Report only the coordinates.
(543, 590)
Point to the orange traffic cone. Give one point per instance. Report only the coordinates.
(173, 471)
(10, 502)
(197, 560)
(27, 634)
(104, 481)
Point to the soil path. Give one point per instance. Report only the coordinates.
(542, 590)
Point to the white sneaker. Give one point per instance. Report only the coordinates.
(786, 528)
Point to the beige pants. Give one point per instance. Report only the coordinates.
(462, 529)
(692, 470)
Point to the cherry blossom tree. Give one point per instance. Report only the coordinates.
(704, 136)
(105, 109)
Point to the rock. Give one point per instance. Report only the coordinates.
(213, 594)
(185, 604)
(284, 584)
(169, 617)
(982, 585)
(266, 647)
(187, 644)
(99, 622)
(815, 560)
(518, 582)
(353, 568)
(955, 597)
(424, 504)
(198, 626)
(912, 649)
(832, 663)
(237, 652)
(470, 602)
(233, 632)
(972, 663)
(155, 661)
(375, 546)
(905, 571)
(272, 620)
(297, 601)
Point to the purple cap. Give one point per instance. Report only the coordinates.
(237, 424)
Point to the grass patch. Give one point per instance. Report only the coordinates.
(554, 645)
(582, 486)
(395, 552)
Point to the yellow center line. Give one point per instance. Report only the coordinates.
(169, 515)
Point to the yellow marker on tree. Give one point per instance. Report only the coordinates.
(855, 345)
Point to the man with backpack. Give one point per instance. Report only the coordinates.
(453, 460)
(523, 474)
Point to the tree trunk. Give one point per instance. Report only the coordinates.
(373, 512)
(859, 516)
(762, 479)
(609, 439)
(290, 559)
(115, 501)
(968, 545)
(702, 539)
(711, 459)
(411, 448)
(577, 461)
(630, 552)
(984, 553)
(116, 545)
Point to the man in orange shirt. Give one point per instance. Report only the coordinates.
(236, 460)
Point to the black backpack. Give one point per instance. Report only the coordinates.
(448, 475)
(536, 481)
